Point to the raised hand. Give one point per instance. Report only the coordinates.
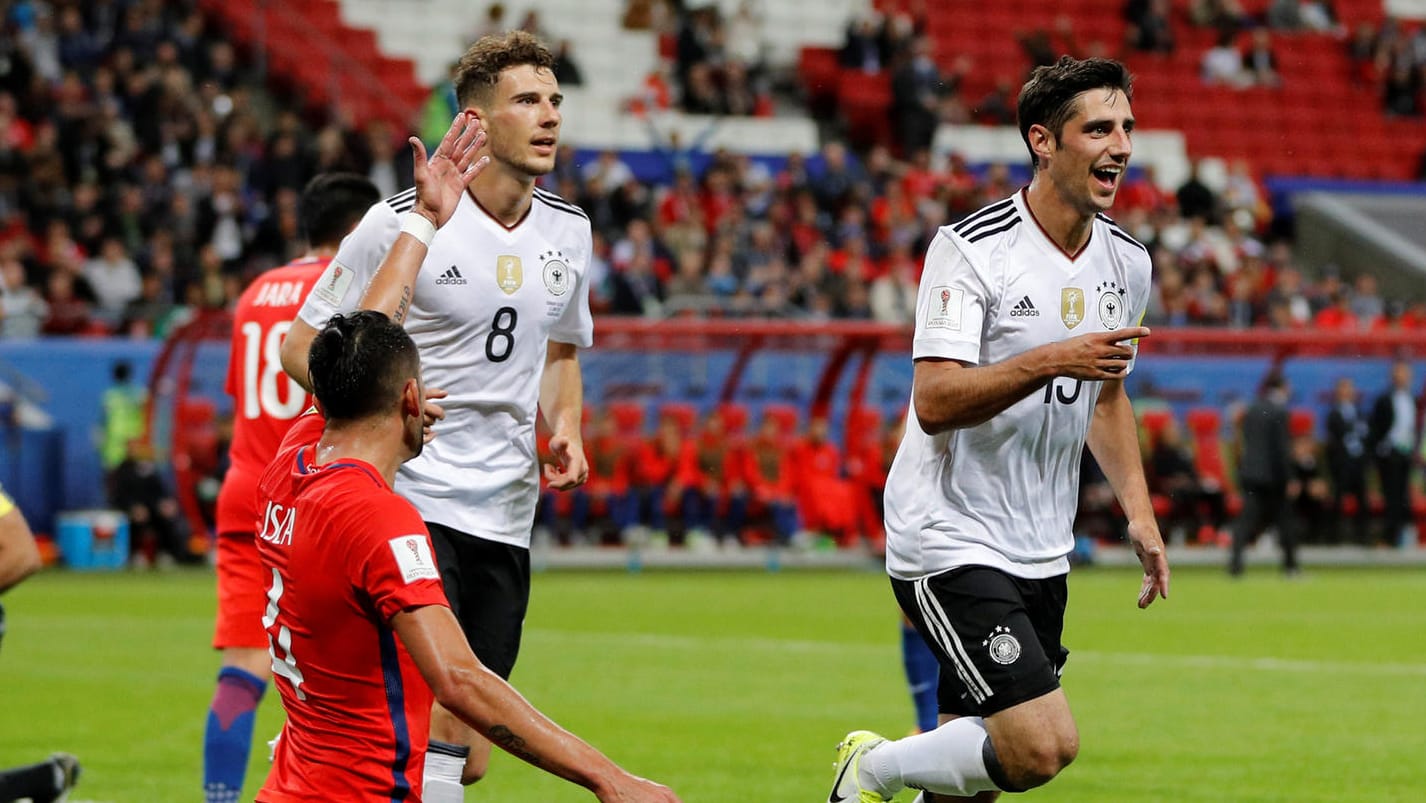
(442, 179)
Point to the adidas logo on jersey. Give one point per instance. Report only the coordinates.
(1024, 309)
(452, 276)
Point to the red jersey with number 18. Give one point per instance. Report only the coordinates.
(265, 399)
(344, 554)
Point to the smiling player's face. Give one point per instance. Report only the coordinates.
(1086, 164)
(522, 120)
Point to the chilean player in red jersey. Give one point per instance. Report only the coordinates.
(359, 628)
(266, 403)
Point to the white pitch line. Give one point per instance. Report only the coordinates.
(802, 646)
(1262, 664)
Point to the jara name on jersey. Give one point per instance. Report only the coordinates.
(280, 294)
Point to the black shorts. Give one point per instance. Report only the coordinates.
(997, 637)
(488, 586)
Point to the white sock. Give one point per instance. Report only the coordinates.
(946, 761)
(441, 778)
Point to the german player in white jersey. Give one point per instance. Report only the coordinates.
(1027, 322)
(498, 310)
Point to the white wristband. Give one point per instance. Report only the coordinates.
(420, 227)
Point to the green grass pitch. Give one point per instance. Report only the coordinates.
(736, 687)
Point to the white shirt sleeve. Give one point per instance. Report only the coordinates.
(576, 324)
(1140, 289)
(341, 286)
(950, 305)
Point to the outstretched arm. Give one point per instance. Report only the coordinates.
(1114, 442)
(494, 708)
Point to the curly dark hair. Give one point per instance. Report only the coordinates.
(1048, 98)
(479, 69)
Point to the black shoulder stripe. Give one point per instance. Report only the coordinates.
(1007, 227)
(1116, 232)
(570, 209)
(403, 201)
(987, 222)
(980, 214)
(552, 197)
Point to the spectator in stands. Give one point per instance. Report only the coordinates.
(1195, 199)
(1173, 474)
(1347, 462)
(893, 293)
(69, 312)
(1320, 15)
(532, 24)
(1148, 28)
(1392, 439)
(997, 107)
(115, 280)
(838, 178)
(1265, 475)
(1366, 302)
(769, 472)
(1338, 313)
(747, 38)
(916, 87)
(653, 492)
(606, 491)
(566, 69)
(156, 526)
(1401, 90)
(1222, 64)
(22, 310)
(1259, 61)
(1308, 492)
(637, 263)
(494, 23)
(861, 49)
(1284, 15)
(704, 465)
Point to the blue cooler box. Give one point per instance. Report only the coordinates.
(93, 540)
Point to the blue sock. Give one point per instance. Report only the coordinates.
(923, 675)
(229, 735)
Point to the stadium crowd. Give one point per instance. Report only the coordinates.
(147, 171)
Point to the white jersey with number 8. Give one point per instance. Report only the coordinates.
(487, 301)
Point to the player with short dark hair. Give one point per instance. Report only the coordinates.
(361, 635)
(265, 403)
(1026, 324)
(499, 308)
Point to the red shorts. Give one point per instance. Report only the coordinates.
(242, 594)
